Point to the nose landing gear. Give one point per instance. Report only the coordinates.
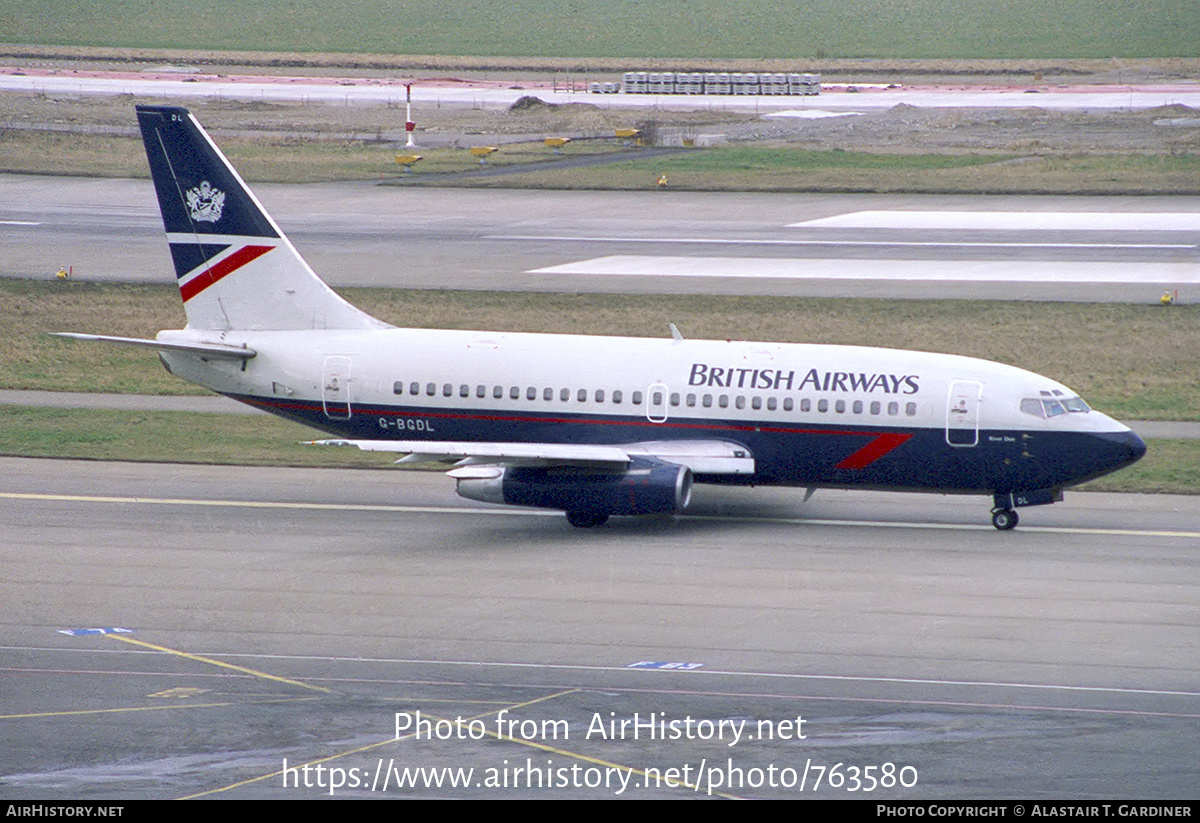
(1004, 519)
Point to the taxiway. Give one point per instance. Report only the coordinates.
(291, 614)
(361, 234)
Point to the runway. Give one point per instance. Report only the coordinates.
(496, 94)
(898, 246)
(283, 614)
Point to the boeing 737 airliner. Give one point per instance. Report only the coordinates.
(593, 426)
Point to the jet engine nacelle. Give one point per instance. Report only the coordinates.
(647, 487)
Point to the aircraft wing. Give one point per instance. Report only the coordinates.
(701, 456)
(216, 351)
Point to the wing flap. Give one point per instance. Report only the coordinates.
(524, 454)
(701, 456)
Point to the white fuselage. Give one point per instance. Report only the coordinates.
(413, 384)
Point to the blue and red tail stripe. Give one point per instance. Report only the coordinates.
(213, 269)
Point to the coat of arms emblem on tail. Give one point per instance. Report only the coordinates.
(206, 202)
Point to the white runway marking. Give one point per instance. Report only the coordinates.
(811, 114)
(975, 271)
(751, 241)
(18, 223)
(511, 511)
(1010, 221)
(701, 673)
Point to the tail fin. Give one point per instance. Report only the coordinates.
(236, 269)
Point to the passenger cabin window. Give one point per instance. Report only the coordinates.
(398, 387)
(617, 396)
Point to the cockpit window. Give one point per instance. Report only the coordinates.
(1053, 406)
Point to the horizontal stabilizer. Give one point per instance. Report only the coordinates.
(216, 351)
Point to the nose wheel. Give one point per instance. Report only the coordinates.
(1004, 519)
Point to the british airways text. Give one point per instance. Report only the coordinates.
(704, 374)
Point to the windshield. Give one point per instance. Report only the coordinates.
(1053, 404)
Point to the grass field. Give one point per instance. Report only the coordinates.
(782, 169)
(724, 168)
(609, 28)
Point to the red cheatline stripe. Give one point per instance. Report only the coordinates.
(215, 272)
(874, 450)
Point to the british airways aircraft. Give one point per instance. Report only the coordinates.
(593, 426)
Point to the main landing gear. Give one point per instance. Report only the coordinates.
(1004, 519)
(586, 520)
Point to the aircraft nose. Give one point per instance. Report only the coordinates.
(1136, 446)
(1125, 447)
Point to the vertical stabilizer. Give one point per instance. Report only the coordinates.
(235, 268)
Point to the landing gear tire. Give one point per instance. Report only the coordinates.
(1005, 519)
(586, 520)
